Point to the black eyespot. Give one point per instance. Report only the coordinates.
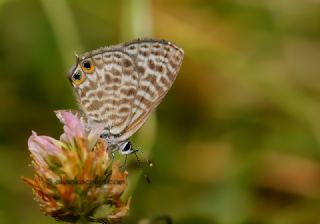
(87, 65)
(77, 76)
(127, 147)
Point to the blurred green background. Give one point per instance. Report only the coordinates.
(236, 140)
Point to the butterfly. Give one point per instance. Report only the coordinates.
(120, 86)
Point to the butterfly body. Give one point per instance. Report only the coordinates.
(119, 86)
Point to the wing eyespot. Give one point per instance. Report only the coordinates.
(78, 77)
(87, 66)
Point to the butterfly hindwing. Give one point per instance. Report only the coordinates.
(111, 91)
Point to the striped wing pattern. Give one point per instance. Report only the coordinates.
(158, 63)
(127, 84)
(117, 86)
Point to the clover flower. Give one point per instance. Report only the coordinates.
(74, 177)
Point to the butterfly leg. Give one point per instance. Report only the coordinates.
(126, 149)
(112, 155)
(146, 177)
(124, 165)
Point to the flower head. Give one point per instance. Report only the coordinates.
(74, 176)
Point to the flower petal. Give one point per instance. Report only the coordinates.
(73, 128)
(42, 146)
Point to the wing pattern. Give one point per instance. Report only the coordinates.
(127, 84)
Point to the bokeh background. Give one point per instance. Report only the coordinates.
(236, 140)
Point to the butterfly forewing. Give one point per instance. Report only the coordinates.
(158, 63)
(127, 84)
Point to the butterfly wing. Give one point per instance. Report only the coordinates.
(127, 84)
(157, 64)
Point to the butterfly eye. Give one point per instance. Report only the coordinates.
(87, 66)
(78, 78)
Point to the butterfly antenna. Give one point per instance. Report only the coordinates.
(77, 57)
(149, 162)
(146, 177)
